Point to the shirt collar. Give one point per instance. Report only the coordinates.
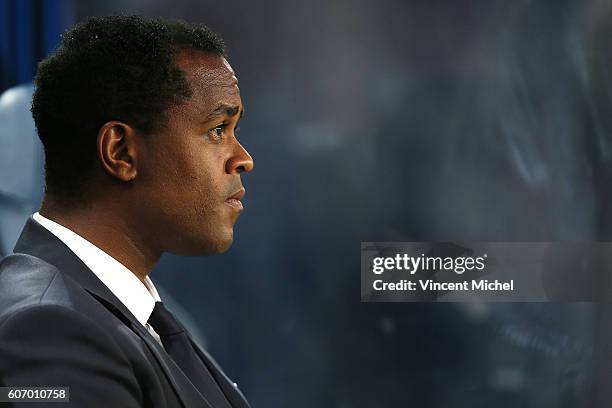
(138, 298)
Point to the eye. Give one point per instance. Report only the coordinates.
(217, 132)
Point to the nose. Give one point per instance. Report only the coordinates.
(240, 162)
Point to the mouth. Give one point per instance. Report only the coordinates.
(234, 200)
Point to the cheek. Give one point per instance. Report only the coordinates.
(199, 180)
(185, 180)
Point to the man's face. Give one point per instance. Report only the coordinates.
(189, 174)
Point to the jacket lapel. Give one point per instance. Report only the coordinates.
(189, 395)
(230, 389)
(37, 241)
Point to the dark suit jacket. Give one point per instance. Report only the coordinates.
(61, 326)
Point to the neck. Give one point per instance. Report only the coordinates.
(109, 230)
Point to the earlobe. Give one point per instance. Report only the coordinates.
(116, 147)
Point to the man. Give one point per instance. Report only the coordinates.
(138, 120)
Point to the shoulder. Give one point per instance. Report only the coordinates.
(43, 318)
(54, 333)
(53, 345)
(40, 306)
(27, 281)
(34, 292)
(40, 303)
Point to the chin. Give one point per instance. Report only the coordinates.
(223, 241)
(221, 246)
(202, 246)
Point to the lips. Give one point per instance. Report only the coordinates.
(234, 200)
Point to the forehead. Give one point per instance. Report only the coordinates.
(212, 79)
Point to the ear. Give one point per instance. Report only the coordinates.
(117, 150)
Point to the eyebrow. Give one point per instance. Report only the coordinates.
(225, 109)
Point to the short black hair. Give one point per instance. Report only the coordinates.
(108, 68)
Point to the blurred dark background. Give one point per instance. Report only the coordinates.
(384, 121)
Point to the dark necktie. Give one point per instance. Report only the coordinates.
(179, 347)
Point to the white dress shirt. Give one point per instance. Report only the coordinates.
(137, 297)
